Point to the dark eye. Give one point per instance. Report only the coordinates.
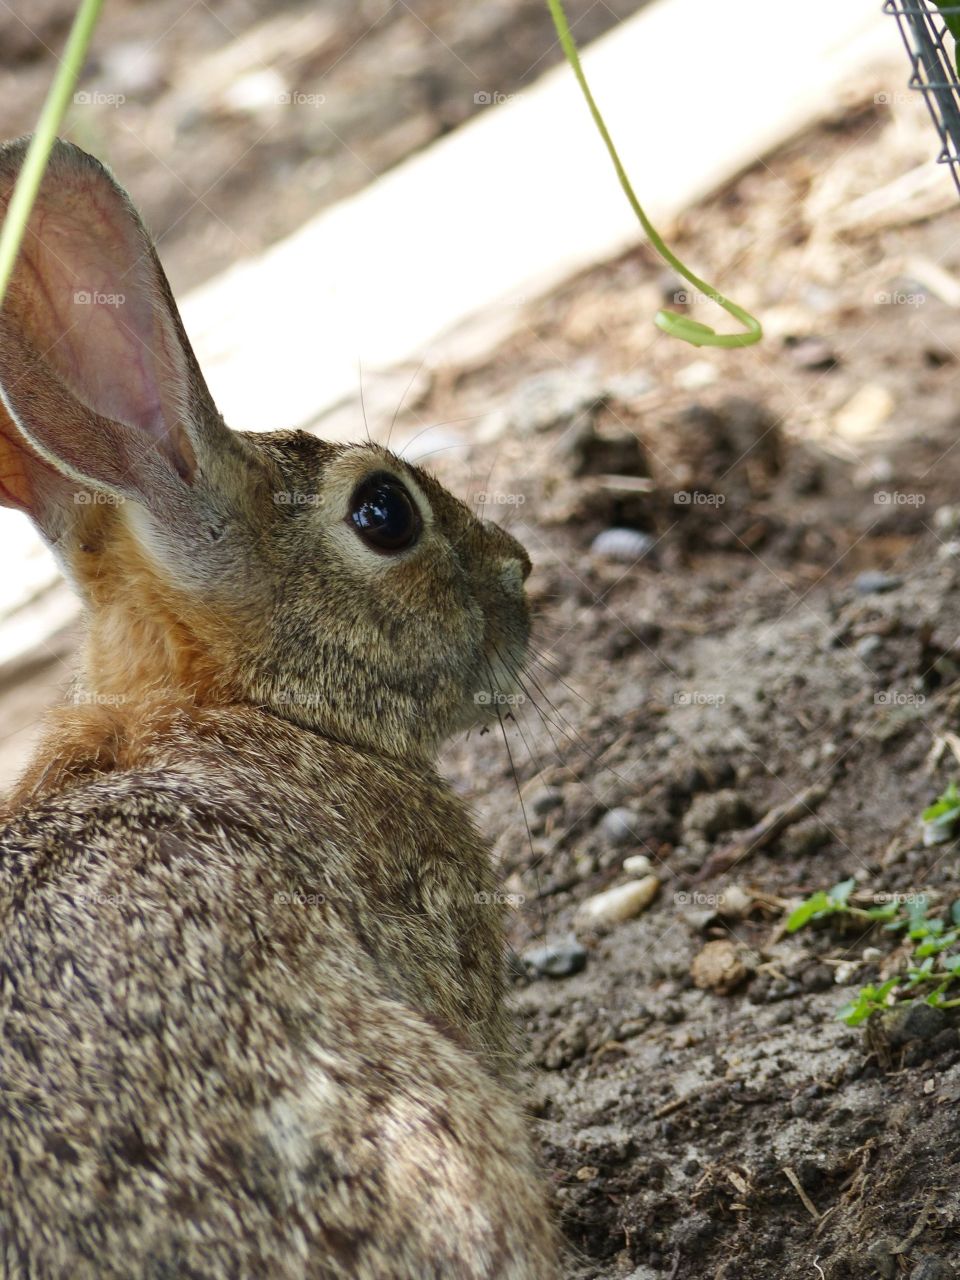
(384, 514)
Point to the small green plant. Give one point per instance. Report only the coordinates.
(932, 970)
(940, 818)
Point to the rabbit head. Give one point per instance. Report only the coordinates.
(335, 585)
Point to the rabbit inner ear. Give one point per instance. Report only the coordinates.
(90, 304)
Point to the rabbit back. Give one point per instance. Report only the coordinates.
(219, 1055)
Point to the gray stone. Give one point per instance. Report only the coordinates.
(875, 581)
(625, 546)
(556, 959)
(867, 646)
(917, 1021)
(618, 827)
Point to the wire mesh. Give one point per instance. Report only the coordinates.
(930, 48)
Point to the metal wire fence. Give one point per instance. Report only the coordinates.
(930, 48)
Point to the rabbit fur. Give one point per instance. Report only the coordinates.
(251, 992)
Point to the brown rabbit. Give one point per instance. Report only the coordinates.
(251, 1018)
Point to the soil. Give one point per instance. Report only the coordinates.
(793, 625)
(776, 623)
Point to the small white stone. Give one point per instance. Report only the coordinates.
(626, 546)
(735, 901)
(622, 902)
(638, 864)
(701, 373)
(946, 519)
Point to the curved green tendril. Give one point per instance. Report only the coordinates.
(38, 153)
(699, 335)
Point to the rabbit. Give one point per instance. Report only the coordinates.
(251, 954)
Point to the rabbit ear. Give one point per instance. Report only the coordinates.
(96, 373)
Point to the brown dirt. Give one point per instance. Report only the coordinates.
(720, 675)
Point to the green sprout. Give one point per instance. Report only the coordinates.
(940, 819)
(699, 335)
(930, 972)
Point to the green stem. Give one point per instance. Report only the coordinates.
(38, 153)
(700, 335)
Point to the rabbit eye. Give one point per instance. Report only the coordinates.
(384, 514)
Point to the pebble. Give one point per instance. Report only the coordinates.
(638, 864)
(945, 1041)
(695, 376)
(877, 471)
(557, 959)
(134, 68)
(819, 977)
(867, 646)
(875, 582)
(622, 902)
(618, 827)
(261, 90)
(811, 353)
(735, 902)
(625, 546)
(917, 1021)
(864, 412)
(883, 1253)
(845, 972)
(946, 519)
(718, 967)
